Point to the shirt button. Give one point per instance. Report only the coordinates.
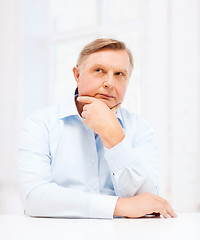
(93, 160)
(94, 188)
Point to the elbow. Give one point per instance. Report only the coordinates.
(33, 206)
(148, 186)
(32, 209)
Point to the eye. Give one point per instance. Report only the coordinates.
(119, 74)
(98, 70)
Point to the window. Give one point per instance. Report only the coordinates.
(75, 23)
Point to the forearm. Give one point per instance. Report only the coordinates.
(51, 200)
(113, 136)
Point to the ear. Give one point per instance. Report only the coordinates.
(76, 73)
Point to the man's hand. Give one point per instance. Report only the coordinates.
(143, 204)
(102, 120)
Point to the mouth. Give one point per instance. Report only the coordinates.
(106, 96)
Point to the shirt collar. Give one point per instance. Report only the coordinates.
(68, 108)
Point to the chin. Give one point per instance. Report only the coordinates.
(110, 105)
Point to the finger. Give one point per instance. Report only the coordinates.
(86, 99)
(171, 211)
(164, 213)
(84, 121)
(114, 109)
(85, 107)
(83, 114)
(167, 207)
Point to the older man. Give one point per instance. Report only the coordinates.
(87, 157)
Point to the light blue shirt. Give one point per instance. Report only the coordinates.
(65, 171)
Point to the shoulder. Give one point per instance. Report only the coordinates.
(134, 119)
(138, 129)
(43, 117)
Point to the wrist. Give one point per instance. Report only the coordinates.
(120, 210)
(112, 138)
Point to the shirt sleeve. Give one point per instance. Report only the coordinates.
(40, 195)
(133, 163)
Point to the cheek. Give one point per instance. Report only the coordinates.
(120, 91)
(88, 86)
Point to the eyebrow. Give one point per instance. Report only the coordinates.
(102, 66)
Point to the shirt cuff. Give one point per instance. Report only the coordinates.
(102, 206)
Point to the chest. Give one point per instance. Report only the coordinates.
(78, 158)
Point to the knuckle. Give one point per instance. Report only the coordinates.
(161, 208)
(148, 194)
(165, 202)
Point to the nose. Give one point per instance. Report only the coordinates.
(109, 81)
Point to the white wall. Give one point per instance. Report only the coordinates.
(185, 103)
(171, 96)
(10, 104)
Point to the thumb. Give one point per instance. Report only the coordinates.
(114, 109)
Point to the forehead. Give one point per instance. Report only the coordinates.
(108, 57)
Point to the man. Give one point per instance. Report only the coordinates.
(88, 157)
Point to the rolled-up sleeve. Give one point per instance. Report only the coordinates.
(133, 163)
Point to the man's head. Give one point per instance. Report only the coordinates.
(102, 44)
(103, 69)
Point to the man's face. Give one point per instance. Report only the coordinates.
(104, 75)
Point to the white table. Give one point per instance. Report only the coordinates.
(14, 227)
